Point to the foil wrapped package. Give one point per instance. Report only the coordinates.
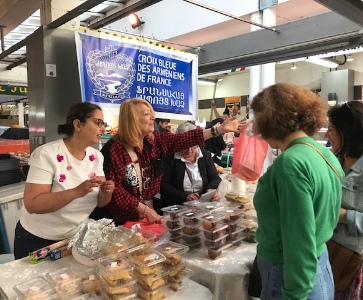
(92, 237)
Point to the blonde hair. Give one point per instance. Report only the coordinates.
(129, 129)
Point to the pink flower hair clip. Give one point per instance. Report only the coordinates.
(92, 157)
(62, 177)
(60, 157)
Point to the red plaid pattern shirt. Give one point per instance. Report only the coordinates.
(118, 167)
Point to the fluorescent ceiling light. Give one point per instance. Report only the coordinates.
(322, 62)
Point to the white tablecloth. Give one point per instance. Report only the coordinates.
(20, 270)
(227, 276)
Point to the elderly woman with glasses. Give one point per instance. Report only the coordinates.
(65, 182)
(188, 174)
(133, 159)
(345, 132)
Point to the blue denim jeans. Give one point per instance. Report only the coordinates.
(272, 280)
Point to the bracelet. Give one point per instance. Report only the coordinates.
(145, 211)
(216, 130)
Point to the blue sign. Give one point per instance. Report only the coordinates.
(113, 71)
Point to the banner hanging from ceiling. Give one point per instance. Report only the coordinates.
(115, 68)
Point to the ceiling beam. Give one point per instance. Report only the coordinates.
(17, 63)
(12, 49)
(350, 9)
(74, 13)
(131, 6)
(315, 35)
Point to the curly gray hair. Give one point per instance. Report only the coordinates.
(184, 127)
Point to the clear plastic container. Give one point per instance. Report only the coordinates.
(231, 214)
(153, 282)
(66, 280)
(191, 230)
(146, 260)
(219, 252)
(216, 243)
(235, 235)
(175, 270)
(171, 249)
(210, 206)
(118, 247)
(121, 290)
(217, 232)
(35, 288)
(212, 221)
(173, 211)
(90, 282)
(150, 295)
(191, 239)
(191, 218)
(88, 296)
(115, 269)
(176, 282)
(172, 224)
(143, 236)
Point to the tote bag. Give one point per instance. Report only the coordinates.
(248, 157)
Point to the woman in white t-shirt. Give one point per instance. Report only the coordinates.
(65, 182)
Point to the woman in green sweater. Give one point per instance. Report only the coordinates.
(298, 199)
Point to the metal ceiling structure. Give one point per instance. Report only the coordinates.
(306, 37)
(350, 9)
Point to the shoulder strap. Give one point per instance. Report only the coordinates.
(321, 154)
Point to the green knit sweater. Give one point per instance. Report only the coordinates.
(298, 202)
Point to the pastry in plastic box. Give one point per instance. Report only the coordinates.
(210, 206)
(172, 223)
(66, 280)
(191, 218)
(191, 239)
(231, 214)
(151, 283)
(115, 269)
(88, 296)
(212, 221)
(173, 211)
(146, 260)
(216, 253)
(153, 295)
(172, 251)
(190, 230)
(175, 282)
(173, 271)
(35, 289)
(90, 282)
(121, 289)
(216, 232)
(113, 248)
(143, 236)
(216, 243)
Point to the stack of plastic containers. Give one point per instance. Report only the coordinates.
(191, 230)
(174, 263)
(36, 288)
(172, 220)
(116, 276)
(65, 281)
(148, 271)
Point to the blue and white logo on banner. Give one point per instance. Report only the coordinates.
(112, 71)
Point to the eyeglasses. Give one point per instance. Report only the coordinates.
(99, 122)
(145, 178)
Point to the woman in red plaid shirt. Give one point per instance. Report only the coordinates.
(133, 159)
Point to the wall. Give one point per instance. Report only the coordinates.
(14, 76)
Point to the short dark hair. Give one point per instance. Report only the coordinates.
(283, 108)
(80, 111)
(157, 120)
(348, 122)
